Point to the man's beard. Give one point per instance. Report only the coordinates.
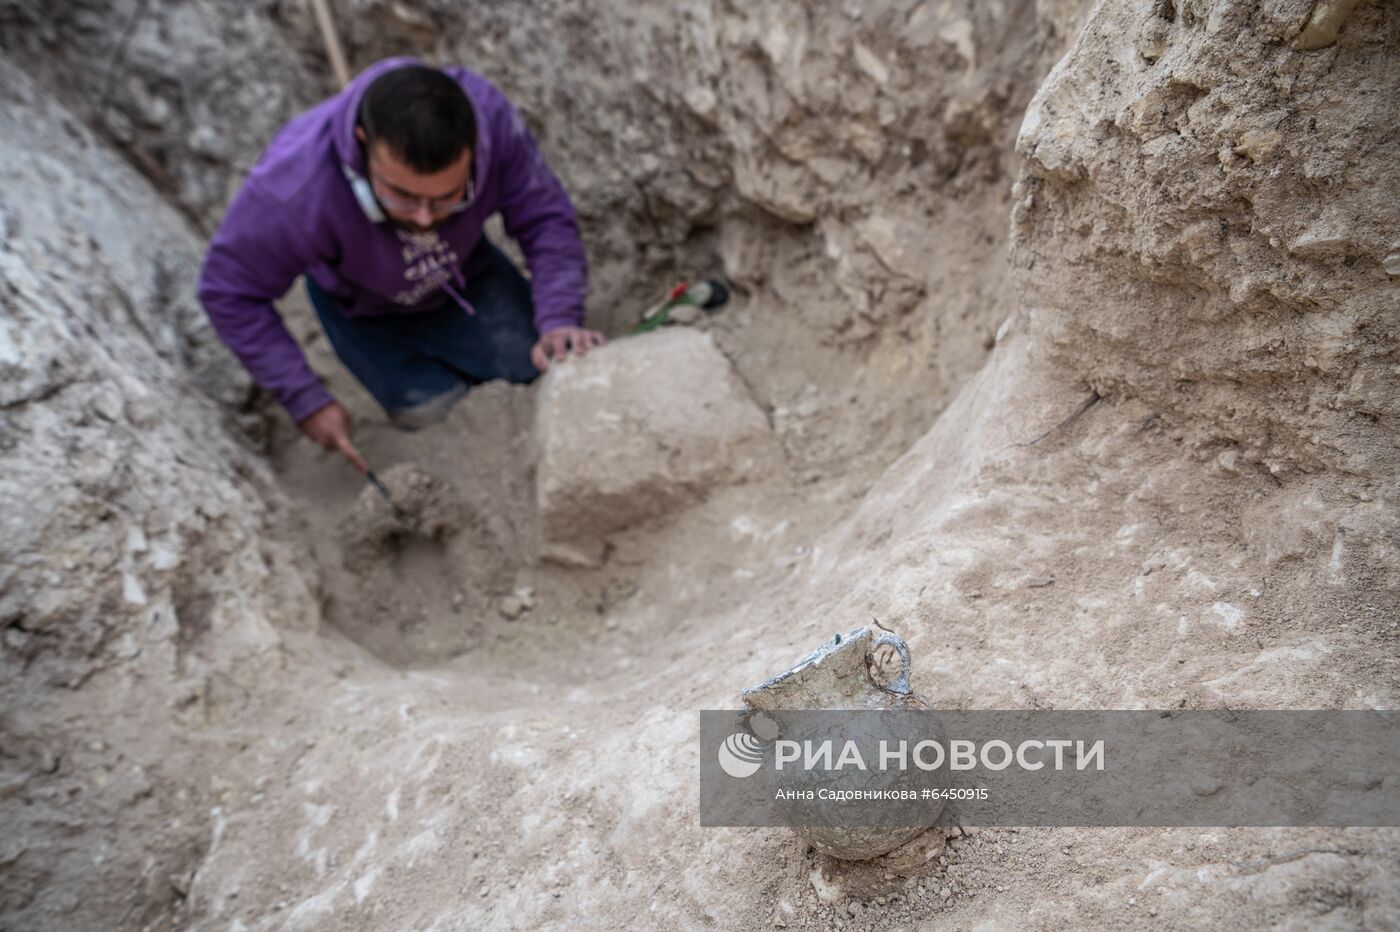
(412, 227)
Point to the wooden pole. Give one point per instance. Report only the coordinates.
(332, 39)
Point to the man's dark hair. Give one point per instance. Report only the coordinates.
(421, 114)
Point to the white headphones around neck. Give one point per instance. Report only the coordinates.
(364, 194)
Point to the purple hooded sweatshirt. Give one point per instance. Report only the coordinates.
(298, 213)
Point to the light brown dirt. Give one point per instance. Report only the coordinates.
(1148, 463)
(534, 772)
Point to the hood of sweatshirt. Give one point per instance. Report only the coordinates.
(352, 154)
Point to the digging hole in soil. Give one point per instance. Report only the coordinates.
(412, 586)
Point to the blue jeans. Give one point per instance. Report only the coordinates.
(418, 365)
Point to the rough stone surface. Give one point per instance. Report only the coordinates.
(1197, 226)
(638, 429)
(139, 593)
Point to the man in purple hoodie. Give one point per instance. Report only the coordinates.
(378, 196)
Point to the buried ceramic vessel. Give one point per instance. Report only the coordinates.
(847, 673)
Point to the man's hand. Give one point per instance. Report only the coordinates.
(559, 343)
(333, 429)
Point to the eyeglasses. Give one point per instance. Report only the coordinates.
(438, 207)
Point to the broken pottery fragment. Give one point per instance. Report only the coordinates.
(846, 674)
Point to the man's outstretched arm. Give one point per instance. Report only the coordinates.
(538, 214)
(252, 261)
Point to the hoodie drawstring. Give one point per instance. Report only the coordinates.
(466, 306)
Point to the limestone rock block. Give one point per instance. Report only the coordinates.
(636, 430)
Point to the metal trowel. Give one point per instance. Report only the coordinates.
(399, 514)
